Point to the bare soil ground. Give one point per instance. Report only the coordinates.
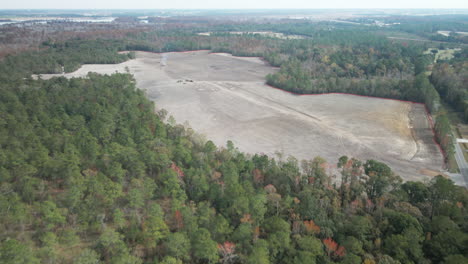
(447, 33)
(445, 54)
(225, 98)
(270, 34)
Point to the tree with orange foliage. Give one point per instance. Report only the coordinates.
(333, 248)
(227, 250)
(246, 219)
(330, 245)
(256, 233)
(311, 227)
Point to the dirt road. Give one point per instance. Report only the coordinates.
(462, 165)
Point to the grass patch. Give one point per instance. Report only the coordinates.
(454, 116)
(452, 165)
(399, 34)
(459, 130)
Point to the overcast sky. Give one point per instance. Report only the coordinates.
(231, 4)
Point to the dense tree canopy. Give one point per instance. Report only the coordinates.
(89, 173)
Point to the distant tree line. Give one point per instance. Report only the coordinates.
(347, 60)
(450, 79)
(58, 57)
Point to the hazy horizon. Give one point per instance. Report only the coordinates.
(253, 9)
(240, 4)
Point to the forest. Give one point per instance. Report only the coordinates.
(62, 57)
(331, 58)
(450, 80)
(90, 173)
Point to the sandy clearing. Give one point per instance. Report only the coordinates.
(445, 54)
(270, 34)
(447, 33)
(225, 98)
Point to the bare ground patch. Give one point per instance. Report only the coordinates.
(225, 98)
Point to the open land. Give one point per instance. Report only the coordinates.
(226, 98)
(447, 33)
(442, 54)
(261, 33)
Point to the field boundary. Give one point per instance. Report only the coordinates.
(428, 115)
(281, 130)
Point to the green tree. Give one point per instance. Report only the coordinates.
(87, 256)
(381, 178)
(242, 236)
(221, 228)
(51, 214)
(260, 253)
(311, 244)
(350, 258)
(278, 236)
(178, 246)
(171, 260)
(353, 246)
(447, 239)
(154, 230)
(203, 247)
(114, 249)
(405, 247)
(417, 192)
(440, 190)
(14, 252)
(455, 259)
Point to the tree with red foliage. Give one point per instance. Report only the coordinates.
(176, 169)
(340, 252)
(330, 245)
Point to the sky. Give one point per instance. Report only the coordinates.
(230, 4)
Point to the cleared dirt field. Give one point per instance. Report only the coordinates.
(270, 34)
(225, 98)
(447, 33)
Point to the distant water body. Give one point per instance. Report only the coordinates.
(60, 19)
